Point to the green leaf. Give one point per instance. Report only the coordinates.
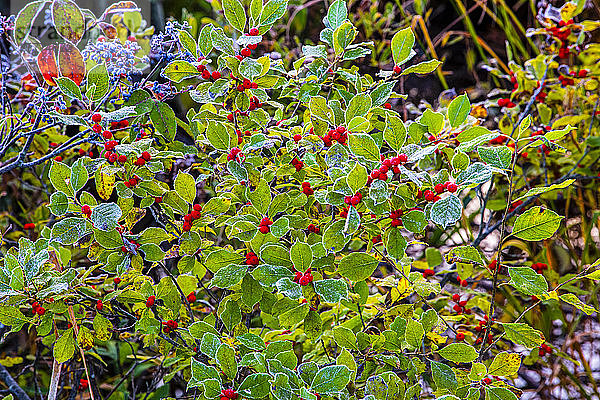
(68, 20)
(331, 290)
(357, 266)
(221, 42)
(272, 11)
(394, 132)
(475, 174)
(447, 211)
(235, 14)
(359, 106)
(497, 156)
(13, 317)
(69, 230)
(364, 146)
(344, 337)
(185, 186)
(228, 276)
(250, 68)
(536, 224)
(59, 203)
(105, 216)
(505, 364)
(255, 386)
(260, 197)
(575, 301)
(414, 333)
(357, 178)
(424, 67)
(188, 42)
(163, 118)
(524, 335)
(458, 110)
(527, 281)
(252, 341)
(443, 376)
(459, 353)
(179, 70)
(318, 108)
(331, 379)
(25, 19)
(498, 393)
(293, 316)
(359, 124)
(343, 36)
(60, 176)
(276, 255)
(337, 14)
(301, 256)
(402, 44)
(226, 359)
(64, 348)
(219, 135)
(540, 190)
(69, 88)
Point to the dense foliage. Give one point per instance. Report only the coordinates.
(301, 231)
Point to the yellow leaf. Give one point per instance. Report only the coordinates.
(402, 290)
(436, 337)
(105, 184)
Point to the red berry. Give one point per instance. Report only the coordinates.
(117, 280)
(107, 135)
(58, 158)
(40, 310)
(191, 298)
(96, 118)
(253, 32)
(456, 297)
(29, 226)
(146, 156)
(297, 138)
(216, 75)
(97, 128)
(264, 229)
(439, 188)
(99, 305)
(387, 105)
(245, 52)
(460, 336)
(452, 187)
(397, 69)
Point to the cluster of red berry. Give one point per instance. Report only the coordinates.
(428, 272)
(353, 200)
(297, 138)
(169, 326)
(493, 265)
(306, 189)
(303, 279)
(514, 205)
(541, 96)
(116, 125)
(313, 228)
(396, 217)
(339, 134)
(252, 258)
(387, 164)
(132, 182)
(459, 307)
(376, 239)
(83, 384)
(150, 301)
(461, 282)
(481, 324)
(188, 219)
(99, 305)
(206, 74)
(265, 225)
(37, 308)
(500, 139)
(246, 84)
(133, 242)
(145, 157)
(544, 349)
(562, 32)
(513, 80)
(539, 267)
(297, 164)
(191, 298)
(428, 195)
(235, 154)
(505, 102)
(228, 394)
(241, 135)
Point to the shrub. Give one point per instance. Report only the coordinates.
(291, 236)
